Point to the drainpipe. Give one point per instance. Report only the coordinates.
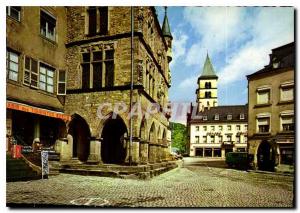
(131, 86)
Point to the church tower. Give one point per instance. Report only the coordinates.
(207, 92)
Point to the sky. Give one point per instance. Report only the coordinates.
(237, 39)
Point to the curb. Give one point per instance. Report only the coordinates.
(272, 173)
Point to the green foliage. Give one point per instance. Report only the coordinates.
(179, 136)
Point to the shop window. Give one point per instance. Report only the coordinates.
(31, 72)
(48, 25)
(12, 65)
(46, 78)
(263, 96)
(14, 12)
(61, 82)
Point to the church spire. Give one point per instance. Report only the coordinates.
(208, 69)
(166, 27)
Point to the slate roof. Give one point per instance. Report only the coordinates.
(284, 54)
(223, 111)
(208, 70)
(166, 27)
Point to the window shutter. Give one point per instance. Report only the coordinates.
(61, 82)
(26, 78)
(34, 74)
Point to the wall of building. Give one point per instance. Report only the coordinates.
(217, 144)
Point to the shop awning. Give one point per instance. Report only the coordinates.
(37, 110)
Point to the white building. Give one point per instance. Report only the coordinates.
(218, 130)
(215, 130)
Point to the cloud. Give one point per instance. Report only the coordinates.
(241, 38)
(179, 46)
(188, 83)
(267, 34)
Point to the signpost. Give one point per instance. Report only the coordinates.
(45, 165)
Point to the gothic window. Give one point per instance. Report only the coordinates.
(97, 65)
(97, 20)
(103, 11)
(207, 85)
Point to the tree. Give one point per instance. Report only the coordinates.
(179, 136)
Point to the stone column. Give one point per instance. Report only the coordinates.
(144, 146)
(66, 148)
(203, 150)
(159, 151)
(212, 152)
(95, 151)
(152, 152)
(135, 151)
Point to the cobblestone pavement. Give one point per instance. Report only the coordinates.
(189, 185)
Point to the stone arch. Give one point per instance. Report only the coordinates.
(109, 115)
(266, 156)
(143, 130)
(159, 133)
(164, 134)
(152, 133)
(114, 133)
(79, 129)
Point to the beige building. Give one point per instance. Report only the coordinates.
(214, 130)
(271, 111)
(64, 62)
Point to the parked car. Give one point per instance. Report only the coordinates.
(237, 159)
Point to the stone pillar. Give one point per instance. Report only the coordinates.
(159, 151)
(144, 146)
(135, 151)
(95, 151)
(8, 129)
(212, 152)
(203, 151)
(152, 152)
(66, 148)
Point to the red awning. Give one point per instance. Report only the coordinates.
(36, 110)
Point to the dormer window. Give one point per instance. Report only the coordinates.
(275, 63)
(242, 116)
(205, 118)
(229, 117)
(216, 117)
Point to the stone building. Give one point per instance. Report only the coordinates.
(271, 111)
(79, 66)
(215, 130)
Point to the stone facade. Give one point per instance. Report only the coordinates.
(82, 36)
(271, 119)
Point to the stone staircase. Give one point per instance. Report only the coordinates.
(112, 170)
(19, 170)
